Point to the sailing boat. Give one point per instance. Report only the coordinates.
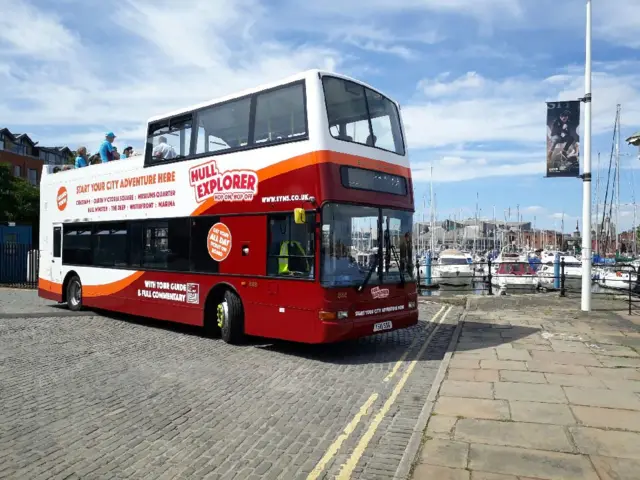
(618, 277)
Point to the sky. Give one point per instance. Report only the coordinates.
(472, 78)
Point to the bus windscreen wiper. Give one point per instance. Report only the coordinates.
(369, 273)
(397, 259)
(391, 248)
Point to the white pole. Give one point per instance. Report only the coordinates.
(586, 174)
(617, 229)
(597, 202)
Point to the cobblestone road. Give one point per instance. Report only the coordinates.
(91, 396)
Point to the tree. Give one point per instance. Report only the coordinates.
(19, 201)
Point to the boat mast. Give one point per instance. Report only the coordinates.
(431, 211)
(475, 231)
(495, 226)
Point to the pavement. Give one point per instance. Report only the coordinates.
(534, 389)
(93, 395)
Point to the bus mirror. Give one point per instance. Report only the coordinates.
(299, 215)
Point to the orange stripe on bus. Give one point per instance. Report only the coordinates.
(110, 288)
(315, 158)
(92, 290)
(49, 286)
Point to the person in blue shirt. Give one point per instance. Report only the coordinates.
(127, 152)
(81, 159)
(107, 152)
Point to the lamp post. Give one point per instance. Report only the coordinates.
(585, 303)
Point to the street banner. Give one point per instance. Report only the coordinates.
(563, 142)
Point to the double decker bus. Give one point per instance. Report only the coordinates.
(283, 212)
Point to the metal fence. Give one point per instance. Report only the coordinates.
(19, 265)
(619, 281)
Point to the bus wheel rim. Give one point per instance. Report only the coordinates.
(222, 314)
(76, 292)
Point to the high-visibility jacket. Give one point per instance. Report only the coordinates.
(283, 261)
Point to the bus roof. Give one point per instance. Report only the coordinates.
(267, 86)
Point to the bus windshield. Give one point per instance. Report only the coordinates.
(352, 237)
(360, 115)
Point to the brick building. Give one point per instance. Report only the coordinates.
(26, 157)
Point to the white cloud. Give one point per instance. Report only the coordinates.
(456, 169)
(473, 8)
(173, 57)
(27, 31)
(534, 209)
(472, 108)
(156, 56)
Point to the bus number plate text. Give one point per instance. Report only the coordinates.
(379, 327)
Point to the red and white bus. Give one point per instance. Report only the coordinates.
(284, 212)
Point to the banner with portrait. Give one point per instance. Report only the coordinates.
(563, 141)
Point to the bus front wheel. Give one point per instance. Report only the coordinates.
(230, 318)
(74, 294)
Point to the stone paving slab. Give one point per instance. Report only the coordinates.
(549, 367)
(528, 391)
(446, 453)
(536, 412)
(607, 418)
(598, 397)
(514, 434)
(473, 375)
(473, 408)
(574, 380)
(616, 468)
(456, 388)
(615, 373)
(530, 463)
(525, 377)
(608, 443)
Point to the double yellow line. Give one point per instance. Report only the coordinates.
(348, 467)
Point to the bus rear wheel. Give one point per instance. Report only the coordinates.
(74, 294)
(230, 318)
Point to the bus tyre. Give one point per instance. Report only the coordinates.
(230, 317)
(74, 294)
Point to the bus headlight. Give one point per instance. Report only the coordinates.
(329, 316)
(411, 305)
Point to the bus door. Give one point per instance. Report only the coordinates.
(56, 254)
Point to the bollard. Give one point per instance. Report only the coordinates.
(562, 277)
(427, 270)
(629, 274)
(556, 271)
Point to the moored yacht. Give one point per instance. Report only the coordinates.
(452, 268)
(516, 275)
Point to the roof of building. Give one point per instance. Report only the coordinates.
(20, 136)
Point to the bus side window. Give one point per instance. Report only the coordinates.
(57, 242)
(291, 247)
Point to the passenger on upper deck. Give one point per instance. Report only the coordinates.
(127, 152)
(163, 150)
(82, 159)
(107, 151)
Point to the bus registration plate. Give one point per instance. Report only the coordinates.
(378, 327)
